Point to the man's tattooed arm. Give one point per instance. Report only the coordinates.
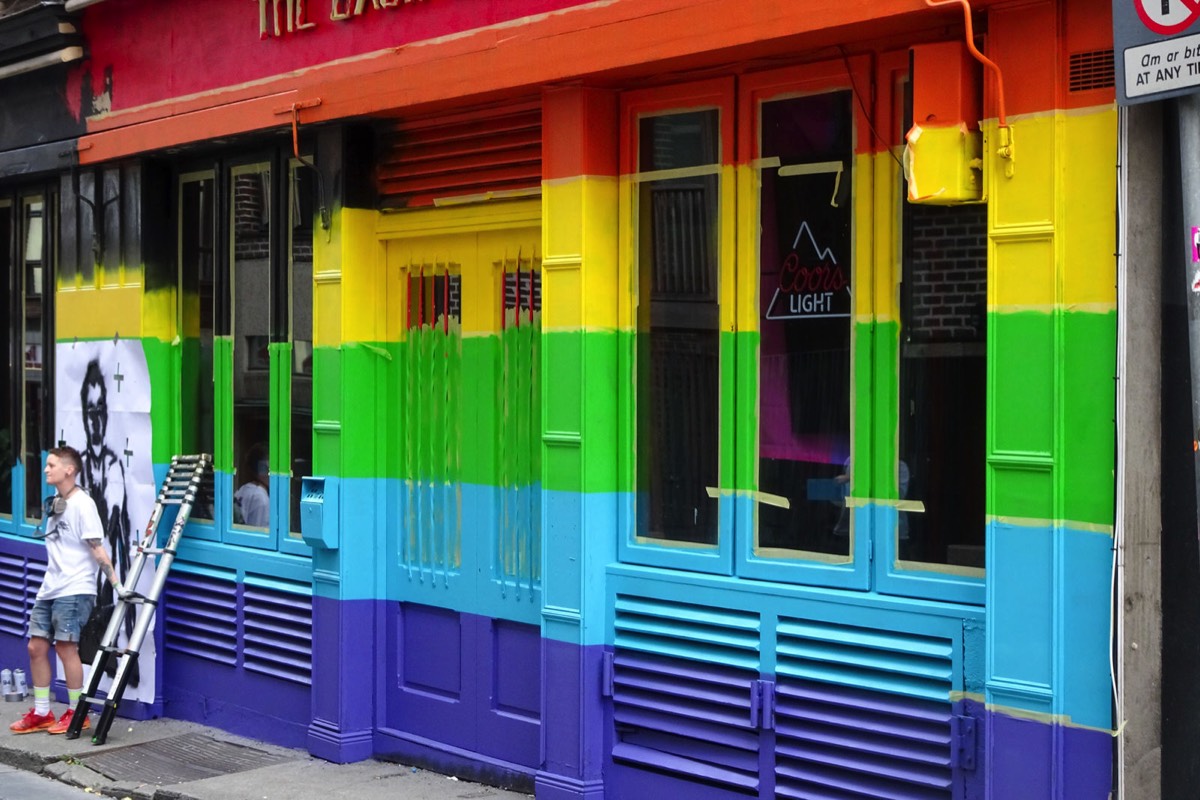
(101, 555)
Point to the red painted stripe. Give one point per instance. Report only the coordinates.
(622, 34)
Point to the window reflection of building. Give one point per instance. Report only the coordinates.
(37, 362)
(197, 220)
(246, 310)
(250, 258)
(300, 249)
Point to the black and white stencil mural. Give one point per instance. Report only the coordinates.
(102, 409)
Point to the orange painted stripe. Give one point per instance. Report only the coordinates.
(600, 37)
(582, 120)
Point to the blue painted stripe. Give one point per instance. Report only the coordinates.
(1049, 601)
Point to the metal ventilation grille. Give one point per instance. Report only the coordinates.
(1093, 69)
(201, 616)
(277, 633)
(836, 742)
(893, 662)
(19, 582)
(488, 154)
(702, 633)
(693, 721)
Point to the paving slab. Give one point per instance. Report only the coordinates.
(165, 759)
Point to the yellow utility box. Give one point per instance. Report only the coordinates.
(942, 153)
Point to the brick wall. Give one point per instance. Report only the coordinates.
(251, 226)
(945, 291)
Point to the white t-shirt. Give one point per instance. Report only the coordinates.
(254, 504)
(71, 569)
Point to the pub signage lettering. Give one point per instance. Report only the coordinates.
(281, 17)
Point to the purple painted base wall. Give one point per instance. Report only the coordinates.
(344, 677)
(576, 721)
(240, 702)
(469, 682)
(1021, 757)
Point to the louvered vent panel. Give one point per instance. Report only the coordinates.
(687, 631)
(19, 582)
(686, 719)
(494, 153)
(1093, 69)
(889, 661)
(277, 638)
(837, 742)
(201, 616)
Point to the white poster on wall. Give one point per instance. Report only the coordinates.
(102, 409)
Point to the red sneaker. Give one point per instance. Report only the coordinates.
(33, 722)
(64, 722)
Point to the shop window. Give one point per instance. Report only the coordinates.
(764, 430)
(197, 258)
(805, 318)
(8, 436)
(28, 223)
(300, 274)
(37, 345)
(245, 255)
(678, 342)
(250, 282)
(943, 375)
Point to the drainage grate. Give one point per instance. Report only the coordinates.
(179, 759)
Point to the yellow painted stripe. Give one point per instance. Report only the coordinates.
(364, 288)
(862, 249)
(1089, 154)
(886, 230)
(160, 313)
(579, 237)
(477, 241)
(99, 313)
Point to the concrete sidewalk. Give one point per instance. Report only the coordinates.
(166, 759)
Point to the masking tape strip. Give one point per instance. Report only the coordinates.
(916, 506)
(816, 168)
(776, 500)
(679, 172)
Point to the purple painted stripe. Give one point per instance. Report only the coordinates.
(468, 682)
(1030, 758)
(867, 701)
(576, 716)
(234, 700)
(630, 781)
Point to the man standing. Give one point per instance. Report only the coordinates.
(74, 553)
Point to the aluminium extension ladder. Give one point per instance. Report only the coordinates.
(180, 488)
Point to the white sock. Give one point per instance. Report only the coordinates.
(41, 700)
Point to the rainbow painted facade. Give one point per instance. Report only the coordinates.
(674, 398)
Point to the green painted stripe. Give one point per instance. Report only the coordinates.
(1021, 379)
(876, 422)
(162, 364)
(1089, 427)
(327, 411)
(743, 429)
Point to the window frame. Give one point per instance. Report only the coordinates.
(892, 576)
(807, 567)
(277, 536)
(13, 201)
(635, 105)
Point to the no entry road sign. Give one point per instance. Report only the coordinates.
(1156, 48)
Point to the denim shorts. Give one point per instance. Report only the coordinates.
(60, 619)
